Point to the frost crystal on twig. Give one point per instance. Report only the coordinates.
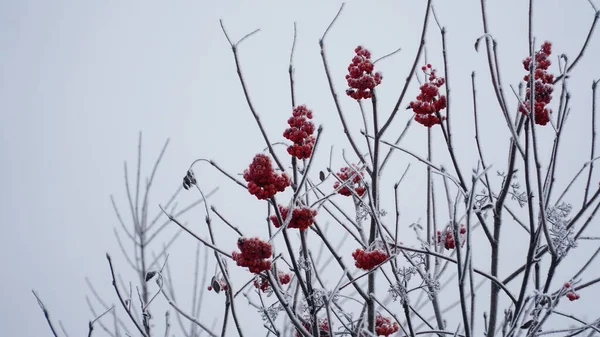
(563, 238)
(520, 197)
(418, 258)
(319, 296)
(271, 312)
(277, 306)
(433, 286)
(362, 212)
(406, 273)
(542, 302)
(480, 200)
(399, 293)
(304, 263)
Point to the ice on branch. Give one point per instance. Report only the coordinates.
(563, 238)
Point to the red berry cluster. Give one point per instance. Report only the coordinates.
(254, 254)
(323, 328)
(300, 132)
(350, 178)
(543, 85)
(284, 278)
(302, 218)
(361, 79)
(571, 295)
(384, 326)
(263, 284)
(368, 260)
(429, 102)
(262, 180)
(448, 237)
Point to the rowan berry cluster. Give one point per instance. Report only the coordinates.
(543, 85)
(262, 180)
(350, 178)
(300, 132)
(384, 326)
(284, 278)
(368, 260)
(447, 236)
(262, 282)
(360, 78)
(429, 102)
(302, 218)
(254, 254)
(323, 328)
(571, 295)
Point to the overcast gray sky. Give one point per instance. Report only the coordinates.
(80, 79)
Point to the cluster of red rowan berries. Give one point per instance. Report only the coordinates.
(384, 326)
(447, 236)
(543, 85)
(350, 178)
(302, 218)
(300, 132)
(323, 328)
(429, 102)
(254, 254)
(571, 295)
(360, 78)
(262, 283)
(284, 278)
(262, 180)
(368, 260)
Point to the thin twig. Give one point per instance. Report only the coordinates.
(46, 313)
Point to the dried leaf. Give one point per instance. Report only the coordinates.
(150, 275)
(527, 324)
(215, 285)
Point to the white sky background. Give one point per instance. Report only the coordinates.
(79, 79)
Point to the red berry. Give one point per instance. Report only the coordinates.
(447, 236)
